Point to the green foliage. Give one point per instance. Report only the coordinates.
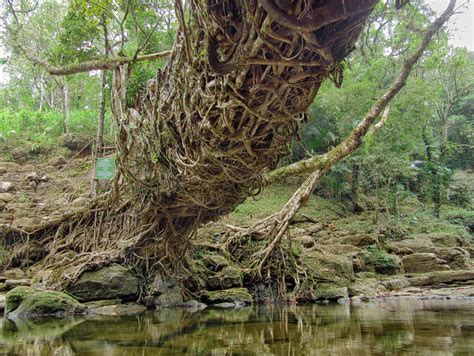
(34, 129)
(383, 262)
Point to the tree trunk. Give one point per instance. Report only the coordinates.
(65, 106)
(103, 100)
(221, 113)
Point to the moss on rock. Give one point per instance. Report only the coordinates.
(232, 295)
(28, 302)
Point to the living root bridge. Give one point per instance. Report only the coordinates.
(221, 113)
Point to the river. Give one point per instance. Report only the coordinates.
(431, 327)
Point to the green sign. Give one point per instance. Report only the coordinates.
(104, 168)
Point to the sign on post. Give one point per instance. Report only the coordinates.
(105, 168)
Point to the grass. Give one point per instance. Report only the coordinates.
(414, 218)
(273, 198)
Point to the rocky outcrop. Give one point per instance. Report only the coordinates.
(442, 277)
(26, 302)
(423, 262)
(111, 282)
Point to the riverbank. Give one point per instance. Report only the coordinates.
(341, 254)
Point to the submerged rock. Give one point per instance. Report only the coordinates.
(128, 309)
(27, 302)
(111, 282)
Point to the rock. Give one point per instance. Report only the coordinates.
(330, 293)
(6, 197)
(6, 187)
(396, 283)
(57, 161)
(233, 295)
(102, 303)
(161, 284)
(194, 306)
(228, 277)
(231, 277)
(366, 286)
(166, 292)
(14, 273)
(361, 240)
(19, 154)
(3, 287)
(216, 262)
(264, 293)
(111, 282)
(442, 239)
(129, 309)
(408, 246)
(423, 262)
(12, 283)
(225, 305)
(28, 302)
(305, 240)
(442, 277)
(33, 177)
(3, 279)
(76, 142)
(455, 257)
(172, 297)
(81, 201)
(332, 264)
(2, 205)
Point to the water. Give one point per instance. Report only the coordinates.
(396, 328)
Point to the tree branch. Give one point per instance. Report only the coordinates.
(355, 138)
(100, 64)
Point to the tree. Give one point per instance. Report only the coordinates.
(222, 111)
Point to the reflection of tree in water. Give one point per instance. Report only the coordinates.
(266, 330)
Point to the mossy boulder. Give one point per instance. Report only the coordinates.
(27, 302)
(216, 262)
(228, 277)
(330, 292)
(111, 282)
(232, 295)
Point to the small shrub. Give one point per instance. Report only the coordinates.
(383, 262)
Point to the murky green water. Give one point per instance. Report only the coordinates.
(400, 328)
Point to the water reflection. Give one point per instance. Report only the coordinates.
(403, 327)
